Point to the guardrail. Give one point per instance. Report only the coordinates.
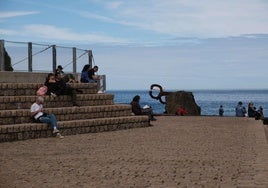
(29, 57)
(32, 54)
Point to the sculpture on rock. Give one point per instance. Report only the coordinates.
(177, 103)
(182, 100)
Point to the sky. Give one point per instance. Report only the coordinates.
(179, 44)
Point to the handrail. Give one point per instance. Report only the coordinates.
(29, 56)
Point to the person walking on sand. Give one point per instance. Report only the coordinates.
(41, 117)
(221, 111)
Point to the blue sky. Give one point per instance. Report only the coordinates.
(180, 44)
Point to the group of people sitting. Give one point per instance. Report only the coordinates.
(88, 74)
(56, 85)
(252, 112)
(37, 111)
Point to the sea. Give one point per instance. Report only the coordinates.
(208, 100)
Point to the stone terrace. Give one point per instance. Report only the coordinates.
(97, 112)
(177, 151)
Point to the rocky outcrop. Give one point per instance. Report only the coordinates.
(183, 100)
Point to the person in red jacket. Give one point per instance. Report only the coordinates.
(182, 111)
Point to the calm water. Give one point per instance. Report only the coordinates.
(208, 100)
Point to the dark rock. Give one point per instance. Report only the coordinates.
(182, 99)
(8, 65)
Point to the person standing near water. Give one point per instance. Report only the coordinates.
(221, 111)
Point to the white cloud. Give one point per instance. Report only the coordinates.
(114, 5)
(10, 14)
(53, 33)
(193, 18)
(8, 32)
(95, 16)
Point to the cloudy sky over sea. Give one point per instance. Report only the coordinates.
(180, 44)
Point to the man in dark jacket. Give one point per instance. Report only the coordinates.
(64, 89)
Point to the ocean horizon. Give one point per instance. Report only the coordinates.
(208, 99)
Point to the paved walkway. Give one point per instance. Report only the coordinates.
(174, 152)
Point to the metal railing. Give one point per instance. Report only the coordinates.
(36, 57)
(35, 52)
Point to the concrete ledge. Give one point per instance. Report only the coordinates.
(9, 117)
(24, 102)
(22, 89)
(41, 130)
(24, 77)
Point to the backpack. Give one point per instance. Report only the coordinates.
(41, 91)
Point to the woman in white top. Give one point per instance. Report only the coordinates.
(40, 116)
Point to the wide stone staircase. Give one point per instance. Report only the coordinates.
(96, 112)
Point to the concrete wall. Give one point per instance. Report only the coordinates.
(24, 77)
(37, 77)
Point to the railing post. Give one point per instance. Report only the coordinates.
(74, 60)
(104, 82)
(2, 55)
(54, 58)
(30, 57)
(90, 58)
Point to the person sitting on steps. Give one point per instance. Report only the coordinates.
(88, 76)
(52, 87)
(57, 86)
(84, 74)
(41, 117)
(92, 76)
(68, 78)
(137, 110)
(64, 89)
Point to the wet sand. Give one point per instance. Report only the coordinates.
(174, 152)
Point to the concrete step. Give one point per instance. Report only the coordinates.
(26, 131)
(24, 102)
(8, 117)
(96, 112)
(22, 89)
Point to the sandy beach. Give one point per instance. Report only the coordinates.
(174, 152)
